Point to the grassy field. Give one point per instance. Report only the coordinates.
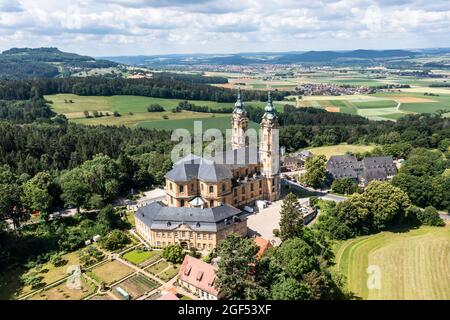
(412, 264)
(158, 267)
(139, 256)
(219, 121)
(11, 287)
(63, 292)
(340, 149)
(112, 271)
(133, 111)
(169, 272)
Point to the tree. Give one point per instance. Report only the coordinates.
(237, 258)
(32, 279)
(115, 240)
(316, 172)
(11, 206)
(387, 204)
(173, 253)
(344, 186)
(155, 108)
(57, 260)
(75, 190)
(290, 289)
(295, 257)
(38, 194)
(429, 217)
(95, 202)
(291, 221)
(354, 214)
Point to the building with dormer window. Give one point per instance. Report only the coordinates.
(204, 195)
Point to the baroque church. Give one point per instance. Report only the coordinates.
(205, 195)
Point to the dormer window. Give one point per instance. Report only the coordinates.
(199, 276)
(198, 225)
(169, 223)
(188, 270)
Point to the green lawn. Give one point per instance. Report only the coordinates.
(424, 107)
(409, 264)
(137, 256)
(112, 271)
(219, 121)
(169, 273)
(375, 104)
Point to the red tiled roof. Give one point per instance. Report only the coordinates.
(263, 245)
(198, 274)
(168, 296)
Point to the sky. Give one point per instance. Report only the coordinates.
(150, 27)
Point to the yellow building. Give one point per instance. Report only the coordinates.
(203, 195)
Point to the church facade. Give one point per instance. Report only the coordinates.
(204, 195)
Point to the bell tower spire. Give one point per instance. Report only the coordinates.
(269, 151)
(239, 124)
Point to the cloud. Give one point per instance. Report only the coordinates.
(101, 27)
(10, 6)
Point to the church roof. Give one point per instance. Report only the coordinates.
(239, 105)
(270, 110)
(209, 170)
(157, 216)
(212, 169)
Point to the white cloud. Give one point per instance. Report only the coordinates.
(153, 27)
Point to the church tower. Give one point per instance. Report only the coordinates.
(239, 124)
(269, 152)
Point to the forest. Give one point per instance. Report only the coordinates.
(158, 87)
(24, 63)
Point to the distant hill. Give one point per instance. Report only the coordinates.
(21, 63)
(309, 57)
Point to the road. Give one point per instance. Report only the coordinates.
(323, 194)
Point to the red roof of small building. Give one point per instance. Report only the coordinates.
(198, 274)
(168, 296)
(263, 245)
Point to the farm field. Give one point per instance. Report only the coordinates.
(135, 286)
(111, 271)
(340, 149)
(133, 111)
(220, 121)
(412, 264)
(63, 292)
(380, 106)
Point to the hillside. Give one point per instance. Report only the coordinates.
(21, 63)
(309, 57)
